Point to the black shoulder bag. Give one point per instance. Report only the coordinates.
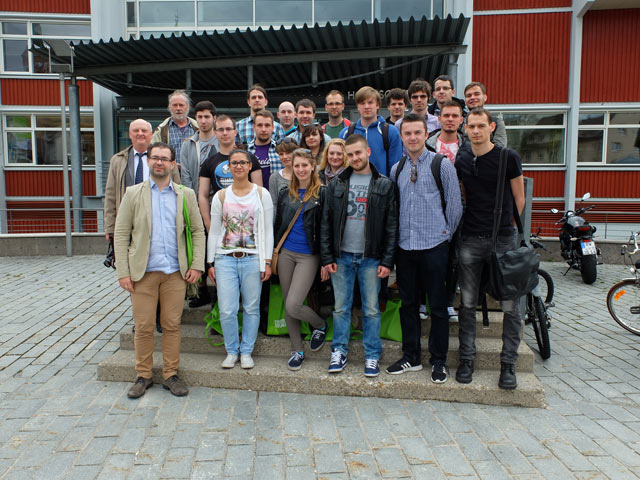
(515, 272)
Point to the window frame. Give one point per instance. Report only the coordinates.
(33, 113)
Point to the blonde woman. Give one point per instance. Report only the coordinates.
(299, 258)
(334, 161)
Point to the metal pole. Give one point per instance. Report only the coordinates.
(4, 224)
(76, 154)
(65, 170)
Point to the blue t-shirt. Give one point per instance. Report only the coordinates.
(297, 239)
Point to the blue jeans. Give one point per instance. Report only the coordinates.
(236, 276)
(351, 265)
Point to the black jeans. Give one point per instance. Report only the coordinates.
(428, 268)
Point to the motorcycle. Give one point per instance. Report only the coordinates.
(576, 242)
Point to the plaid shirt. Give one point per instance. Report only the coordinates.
(275, 165)
(177, 136)
(246, 134)
(422, 224)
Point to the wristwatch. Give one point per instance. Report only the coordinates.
(267, 263)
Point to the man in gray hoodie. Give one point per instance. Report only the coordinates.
(197, 148)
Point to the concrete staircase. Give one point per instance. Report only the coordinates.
(200, 365)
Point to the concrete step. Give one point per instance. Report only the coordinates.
(271, 374)
(487, 348)
(195, 316)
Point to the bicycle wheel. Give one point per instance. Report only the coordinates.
(539, 323)
(623, 302)
(545, 285)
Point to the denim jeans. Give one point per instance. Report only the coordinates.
(235, 277)
(350, 266)
(474, 253)
(428, 268)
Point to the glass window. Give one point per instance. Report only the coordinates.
(438, 8)
(590, 144)
(170, 14)
(19, 147)
(591, 119)
(225, 12)
(337, 10)
(18, 121)
(533, 119)
(16, 56)
(623, 146)
(40, 61)
(393, 9)
(539, 145)
(283, 12)
(14, 28)
(625, 118)
(131, 14)
(48, 121)
(62, 29)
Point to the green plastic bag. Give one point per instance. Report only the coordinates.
(276, 324)
(390, 327)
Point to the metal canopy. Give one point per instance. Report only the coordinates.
(302, 60)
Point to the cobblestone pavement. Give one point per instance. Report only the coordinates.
(60, 317)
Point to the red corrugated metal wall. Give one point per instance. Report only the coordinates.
(17, 91)
(546, 183)
(44, 217)
(523, 58)
(47, 6)
(44, 183)
(611, 56)
(517, 4)
(608, 184)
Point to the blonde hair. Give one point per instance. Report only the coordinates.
(313, 189)
(325, 155)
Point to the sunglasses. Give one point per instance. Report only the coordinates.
(286, 140)
(413, 173)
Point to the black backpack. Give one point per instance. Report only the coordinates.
(435, 171)
(384, 129)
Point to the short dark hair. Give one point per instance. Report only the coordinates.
(305, 102)
(356, 138)
(480, 111)
(243, 152)
(444, 78)
(264, 113)
(162, 145)
(451, 103)
(334, 92)
(419, 85)
(258, 87)
(413, 118)
(223, 117)
(476, 84)
(396, 94)
(205, 105)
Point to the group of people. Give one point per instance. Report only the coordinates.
(338, 202)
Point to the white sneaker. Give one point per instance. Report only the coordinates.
(230, 361)
(452, 312)
(246, 361)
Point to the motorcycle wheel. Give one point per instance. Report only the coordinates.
(588, 269)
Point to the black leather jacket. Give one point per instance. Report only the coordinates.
(311, 218)
(381, 224)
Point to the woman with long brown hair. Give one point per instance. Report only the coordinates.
(334, 161)
(312, 138)
(300, 206)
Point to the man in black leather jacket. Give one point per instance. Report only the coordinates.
(358, 238)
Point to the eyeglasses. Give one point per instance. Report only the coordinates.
(226, 129)
(444, 89)
(418, 96)
(286, 140)
(414, 173)
(239, 163)
(474, 166)
(155, 158)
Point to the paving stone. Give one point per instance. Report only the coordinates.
(328, 458)
(298, 451)
(97, 451)
(178, 463)
(117, 466)
(416, 450)
(206, 470)
(391, 463)
(361, 466)
(269, 466)
(211, 447)
(451, 460)
(236, 463)
(511, 459)
(35, 454)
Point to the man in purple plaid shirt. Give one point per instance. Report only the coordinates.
(257, 100)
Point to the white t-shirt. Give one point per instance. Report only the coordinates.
(449, 150)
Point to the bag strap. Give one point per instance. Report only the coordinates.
(286, 232)
(497, 210)
(399, 168)
(385, 144)
(435, 171)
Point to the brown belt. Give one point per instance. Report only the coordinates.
(239, 254)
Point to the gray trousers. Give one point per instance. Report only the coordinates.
(474, 253)
(297, 272)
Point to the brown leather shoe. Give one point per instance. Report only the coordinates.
(139, 387)
(176, 386)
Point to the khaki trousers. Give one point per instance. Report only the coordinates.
(170, 290)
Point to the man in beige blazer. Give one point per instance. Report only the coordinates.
(151, 253)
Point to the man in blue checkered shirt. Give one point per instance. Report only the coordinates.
(257, 101)
(263, 146)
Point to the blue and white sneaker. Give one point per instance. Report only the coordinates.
(371, 368)
(338, 361)
(295, 362)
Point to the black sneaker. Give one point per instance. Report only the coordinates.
(402, 366)
(317, 338)
(464, 373)
(295, 362)
(439, 373)
(507, 376)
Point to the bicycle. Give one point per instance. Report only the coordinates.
(623, 299)
(538, 301)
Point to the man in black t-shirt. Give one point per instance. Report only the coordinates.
(477, 171)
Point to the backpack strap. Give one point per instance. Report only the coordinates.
(435, 171)
(399, 168)
(385, 143)
(350, 130)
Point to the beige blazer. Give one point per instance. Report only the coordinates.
(132, 238)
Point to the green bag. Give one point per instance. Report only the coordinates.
(187, 230)
(390, 327)
(276, 324)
